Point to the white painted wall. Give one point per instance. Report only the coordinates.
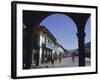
(41, 38)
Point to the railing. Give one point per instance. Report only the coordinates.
(48, 45)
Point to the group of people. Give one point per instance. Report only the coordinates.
(50, 58)
(47, 58)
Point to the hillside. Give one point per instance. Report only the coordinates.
(87, 50)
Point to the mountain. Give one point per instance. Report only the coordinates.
(64, 52)
(87, 50)
(87, 45)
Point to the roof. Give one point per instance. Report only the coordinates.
(45, 30)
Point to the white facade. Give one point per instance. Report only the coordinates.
(44, 39)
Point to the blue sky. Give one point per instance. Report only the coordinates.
(64, 30)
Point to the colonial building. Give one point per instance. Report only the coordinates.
(47, 45)
(44, 46)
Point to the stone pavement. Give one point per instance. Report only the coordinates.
(66, 62)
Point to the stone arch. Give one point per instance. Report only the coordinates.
(88, 29)
(50, 14)
(64, 19)
(88, 38)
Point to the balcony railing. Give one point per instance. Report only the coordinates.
(48, 45)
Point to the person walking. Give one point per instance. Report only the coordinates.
(60, 57)
(73, 56)
(52, 60)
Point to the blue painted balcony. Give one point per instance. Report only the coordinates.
(48, 45)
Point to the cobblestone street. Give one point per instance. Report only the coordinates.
(66, 62)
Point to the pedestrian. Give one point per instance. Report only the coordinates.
(60, 57)
(52, 60)
(73, 56)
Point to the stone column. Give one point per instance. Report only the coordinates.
(27, 47)
(81, 36)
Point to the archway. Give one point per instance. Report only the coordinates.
(88, 42)
(88, 30)
(60, 24)
(64, 30)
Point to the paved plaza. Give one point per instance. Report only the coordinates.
(66, 62)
